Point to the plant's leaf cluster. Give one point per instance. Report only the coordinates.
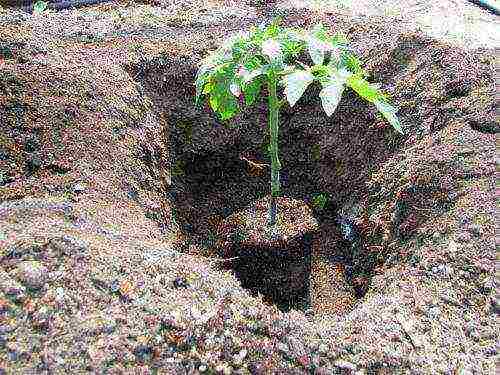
(248, 59)
(39, 6)
(319, 201)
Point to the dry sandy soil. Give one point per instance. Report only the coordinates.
(98, 274)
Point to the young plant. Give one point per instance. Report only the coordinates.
(267, 55)
(319, 201)
(39, 7)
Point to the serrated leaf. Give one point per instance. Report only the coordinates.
(248, 76)
(316, 53)
(331, 94)
(235, 89)
(272, 49)
(208, 87)
(252, 91)
(363, 88)
(228, 108)
(201, 83)
(214, 101)
(39, 6)
(389, 112)
(320, 32)
(295, 85)
(339, 38)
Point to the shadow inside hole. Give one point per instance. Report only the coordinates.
(218, 184)
(281, 280)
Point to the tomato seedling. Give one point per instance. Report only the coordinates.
(267, 55)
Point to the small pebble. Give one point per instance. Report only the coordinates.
(68, 245)
(180, 282)
(488, 285)
(32, 273)
(11, 287)
(345, 365)
(79, 188)
(323, 348)
(476, 230)
(433, 312)
(42, 317)
(463, 236)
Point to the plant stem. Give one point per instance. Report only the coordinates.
(273, 131)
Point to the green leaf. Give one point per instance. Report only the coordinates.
(272, 49)
(208, 87)
(332, 92)
(295, 85)
(292, 43)
(39, 6)
(202, 83)
(354, 64)
(222, 100)
(339, 38)
(320, 32)
(315, 51)
(389, 112)
(229, 107)
(363, 88)
(214, 101)
(252, 91)
(318, 43)
(248, 76)
(273, 29)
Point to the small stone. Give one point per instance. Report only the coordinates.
(476, 230)
(463, 237)
(304, 360)
(96, 324)
(21, 251)
(32, 273)
(495, 305)
(11, 287)
(180, 282)
(33, 163)
(17, 351)
(283, 347)
(67, 245)
(202, 368)
(490, 351)
(433, 312)
(345, 365)
(323, 348)
(488, 285)
(8, 327)
(60, 296)
(42, 318)
(143, 352)
(31, 145)
(442, 270)
(79, 188)
(224, 368)
(5, 305)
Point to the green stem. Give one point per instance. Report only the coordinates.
(275, 162)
